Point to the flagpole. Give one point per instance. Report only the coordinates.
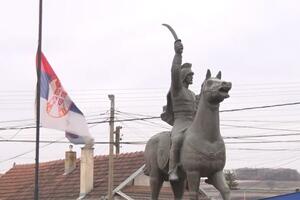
(38, 88)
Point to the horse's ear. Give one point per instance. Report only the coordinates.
(208, 74)
(219, 75)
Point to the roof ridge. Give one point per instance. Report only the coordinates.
(41, 163)
(62, 159)
(121, 154)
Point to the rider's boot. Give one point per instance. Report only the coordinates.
(173, 176)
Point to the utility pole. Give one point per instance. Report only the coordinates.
(111, 147)
(117, 139)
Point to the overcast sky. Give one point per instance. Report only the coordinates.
(100, 47)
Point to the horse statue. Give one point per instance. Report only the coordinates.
(203, 150)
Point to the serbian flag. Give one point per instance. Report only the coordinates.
(57, 110)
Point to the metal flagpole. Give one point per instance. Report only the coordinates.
(38, 87)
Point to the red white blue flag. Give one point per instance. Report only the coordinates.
(57, 110)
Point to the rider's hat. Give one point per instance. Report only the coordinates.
(185, 70)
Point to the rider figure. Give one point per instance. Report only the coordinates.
(181, 106)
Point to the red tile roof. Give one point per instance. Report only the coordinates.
(18, 182)
(124, 166)
(143, 193)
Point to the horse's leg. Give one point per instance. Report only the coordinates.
(155, 183)
(178, 188)
(193, 178)
(218, 180)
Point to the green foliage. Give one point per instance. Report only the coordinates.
(231, 179)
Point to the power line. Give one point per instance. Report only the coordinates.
(22, 154)
(141, 142)
(17, 120)
(261, 128)
(134, 114)
(260, 121)
(261, 107)
(264, 142)
(156, 117)
(66, 142)
(260, 85)
(145, 121)
(15, 134)
(148, 118)
(258, 149)
(31, 119)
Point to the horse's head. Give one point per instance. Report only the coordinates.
(214, 90)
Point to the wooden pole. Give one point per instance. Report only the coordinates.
(111, 147)
(117, 139)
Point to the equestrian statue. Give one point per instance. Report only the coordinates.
(194, 148)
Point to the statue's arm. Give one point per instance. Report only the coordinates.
(176, 83)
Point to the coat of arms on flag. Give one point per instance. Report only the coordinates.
(57, 110)
(59, 102)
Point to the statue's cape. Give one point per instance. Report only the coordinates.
(163, 149)
(158, 146)
(168, 115)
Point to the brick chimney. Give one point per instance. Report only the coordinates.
(70, 160)
(86, 170)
